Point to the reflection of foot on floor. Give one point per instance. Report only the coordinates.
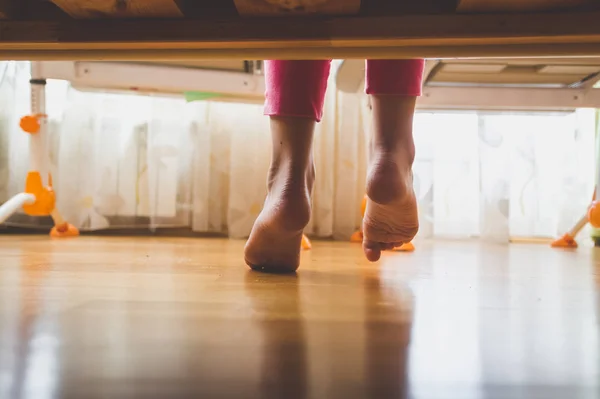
(282, 346)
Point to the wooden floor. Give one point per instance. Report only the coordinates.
(183, 318)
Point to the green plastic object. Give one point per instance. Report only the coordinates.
(191, 96)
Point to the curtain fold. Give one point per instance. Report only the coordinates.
(130, 161)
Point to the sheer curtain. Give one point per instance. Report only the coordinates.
(130, 161)
(503, 175)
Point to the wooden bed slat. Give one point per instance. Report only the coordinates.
(539, 62)
(7, 8)
(221, 65)
(428, 36)
(570, 69)
(473, 68)
(120, 8)
(507, 78)
(449, 30)
(286, 7)
(521, 5)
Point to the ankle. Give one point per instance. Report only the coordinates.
(402, 149)
(393, 127)
(289, 195)
(390, 173)
(292, 139)
(290, 172)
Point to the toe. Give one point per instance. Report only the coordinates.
(372, 250)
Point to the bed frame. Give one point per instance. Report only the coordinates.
(296, 29)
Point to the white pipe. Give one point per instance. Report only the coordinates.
(597, 166)
(37, 142)
(578, 226)
(13, 204)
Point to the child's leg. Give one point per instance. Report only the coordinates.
(295, 94)
(391, 216)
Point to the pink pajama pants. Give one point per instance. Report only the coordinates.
(297, 88)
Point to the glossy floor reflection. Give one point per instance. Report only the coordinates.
(179, 318)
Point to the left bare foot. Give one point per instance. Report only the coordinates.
(275, 242)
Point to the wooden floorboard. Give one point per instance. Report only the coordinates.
(493, 35)
(100, 317)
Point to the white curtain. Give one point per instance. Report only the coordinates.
(503, 175)
(130, 161)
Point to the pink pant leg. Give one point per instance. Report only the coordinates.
(296, 88)
(399, 77)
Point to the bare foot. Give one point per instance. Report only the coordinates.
(275, 242)
(391, 218)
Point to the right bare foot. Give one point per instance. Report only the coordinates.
(391, 217)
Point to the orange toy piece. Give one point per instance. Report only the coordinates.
(357, 236)
(31, 123)
(594, 214)
(61, 228)
(408, 247)
(45, 199)
(64, 230)
(38, 198)
(306, 244)
(566, 241)
(363, 206)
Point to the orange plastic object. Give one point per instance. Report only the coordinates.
(363, 206)
(31, 123)
(64, 230)
(306, 244)
(566, 241)
(45, 199)
(357, 237)
(408, 247)
(594, 214)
